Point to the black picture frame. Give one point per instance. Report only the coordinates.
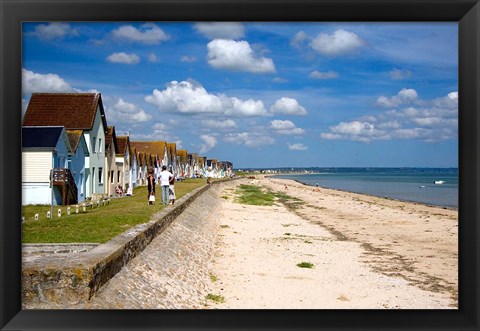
(465, 12)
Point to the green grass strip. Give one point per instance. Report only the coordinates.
(97, 225)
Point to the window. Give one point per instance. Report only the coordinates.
(94, 145)
(118, 176)
(100, 175)
(100, 145)
(111, 176)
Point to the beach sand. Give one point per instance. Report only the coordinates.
(366, 252)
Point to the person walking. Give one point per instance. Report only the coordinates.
(165, 177)
(171, 190)
(151, 187)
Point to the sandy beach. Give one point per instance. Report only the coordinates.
(366, 252)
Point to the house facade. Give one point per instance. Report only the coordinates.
(123, 161)
(113, 173)
(184, 165)
(76, 160)
(133, 166)
(43, 149)
(75, 111)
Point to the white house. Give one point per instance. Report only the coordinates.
(113, 173)
(43, 149)
(123, 161)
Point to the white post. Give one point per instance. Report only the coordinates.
(51, 191)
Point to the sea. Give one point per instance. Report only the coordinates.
(407, 184)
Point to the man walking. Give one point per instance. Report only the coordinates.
(165, 177)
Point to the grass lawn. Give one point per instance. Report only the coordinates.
(100, 224)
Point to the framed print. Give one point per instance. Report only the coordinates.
(375, 98)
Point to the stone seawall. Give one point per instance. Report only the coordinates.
(73, 277)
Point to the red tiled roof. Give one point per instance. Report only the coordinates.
(153, 147)
(110, 137)
(71, 110)
(123, 143)
(183, 155)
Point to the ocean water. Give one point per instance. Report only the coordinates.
(408, 184)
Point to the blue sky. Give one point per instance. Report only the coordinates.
(264, 94)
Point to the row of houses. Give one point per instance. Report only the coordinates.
(68, 146)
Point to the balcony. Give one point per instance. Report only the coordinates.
(63, 179)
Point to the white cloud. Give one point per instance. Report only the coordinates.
(285, 127)
(323, 75)
(159, 126)
(450, 101)
(159, 131)
(152, 58)
(280, 80)
(282, 125)
(188, 59)
(53, 30)
(188, 97)
(237, 56)
(389, 125)
(405, 96)
(185, 97)
(435, 120)
(358, 131)
(125, 112)
(148, 33)
(226, 124)
(246, 108)
(400, 74)
(297, 147)
(339, 43)
(123, 58)
(287, 106)
(248, 139)
(35, 82)
(209, 142)
(299, 38)
(221, 30)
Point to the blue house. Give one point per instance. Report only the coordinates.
(77, 156)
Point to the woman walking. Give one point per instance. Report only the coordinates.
(171, 190)
(151, 187)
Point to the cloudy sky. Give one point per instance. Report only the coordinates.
(264, 94)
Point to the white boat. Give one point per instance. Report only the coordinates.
(439, 182)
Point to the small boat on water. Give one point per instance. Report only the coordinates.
(439, 182)
(422, 186)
